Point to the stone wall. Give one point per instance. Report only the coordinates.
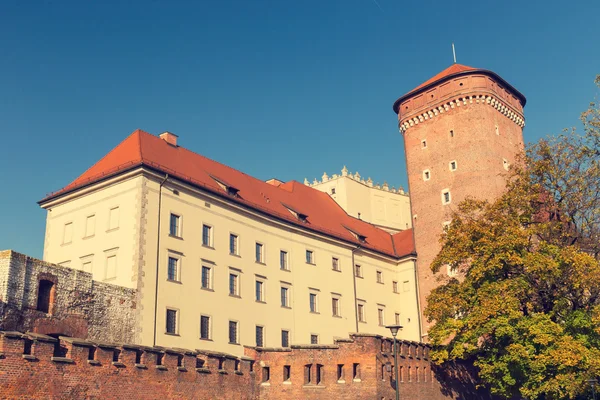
(79, 306)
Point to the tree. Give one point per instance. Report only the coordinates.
(526, 306)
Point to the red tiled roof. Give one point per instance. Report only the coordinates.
(324, 215)
(451, 70)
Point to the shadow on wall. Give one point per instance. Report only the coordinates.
(459, 381)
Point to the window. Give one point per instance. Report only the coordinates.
(332, 190)
(86, 265)
(266, 374)
(45, 298)
(395, 286)
(111, 266)
(259, 253)
(335, 264)
(381, 316)
(446, 196)
(173, 269)
(309, 257)
(207, 236)
(340, 372)
(452, 165)
(307, 373)
(313, 302)
(204, 327)
(379, 277)
(172, 321)
(406, 286)
(361, 313)
(451, 133)
(283, 260)
(285, 300)
(259, 336)
(90, 226)
(319, 374)
(233, 332)
(206, 277)
(358, 271)
(426, 175)
(335, 306)
(234, 289)
(497, 130)
(174, 225)
(260, 291)
(68, 233)
(397, 318)
(505, 163)
(314, 339)
(287, 372)
(423, 144)
(233, 245)
(285, 338)
(356, 371)
(113, 218)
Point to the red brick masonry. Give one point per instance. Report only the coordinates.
(35, 366)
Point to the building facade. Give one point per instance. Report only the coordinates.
(462, 129)
(220, 259)
(385, 207)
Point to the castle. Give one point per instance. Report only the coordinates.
(157, 246)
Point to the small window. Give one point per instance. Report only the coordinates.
(310, 257)
(234, 287)
(113, 218)
(307, 374)
(381, 316)
(379, 277)
(335, 264)
(332, 190)
(452, 165)
(45, 299)
(233, 332)
(207, 236)
(287, 372)
(497, 130)
(266, 374)
(358, 271)
(90, 226)
(285, 297)
(426, 175)
(356, 371)
(283, 260)
(68, 233)
(172, 321)
(340, 372)
(206, 277)
(285, 338)
(361, 313)
(314, 339)
(423, 144)
(451, 131)
(313, 302)
(260, 336)
(233, 245)
(335, 306)
(319, 371)
(259, 253)
(505, 163)
(205, 327)
(173, 269)
(175, 225)
(446, 196)
(260, 296)
(395, 286)
(397, 318)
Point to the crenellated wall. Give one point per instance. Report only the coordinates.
(36, 366)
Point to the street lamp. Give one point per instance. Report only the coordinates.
(394, 329)
(593, 382)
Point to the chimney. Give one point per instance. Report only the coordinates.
(169, 137)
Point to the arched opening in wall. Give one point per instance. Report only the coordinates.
(46, 293)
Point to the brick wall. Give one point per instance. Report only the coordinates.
(80, 306)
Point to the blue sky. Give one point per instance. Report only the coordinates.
(275, 88)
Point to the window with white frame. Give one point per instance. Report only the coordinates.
(233, 244)
(452, 165)
(233, 332)
(381, 316)
(260, 290)
(426, 175)
(260, 256)
(397, 318)
(310, 257)
(395, 286)
(207, 239)
(446, 198)
(379, 275)
(113, 218)
(335, 306)
(423, 144)
(283, 260)
(90, 226)
(173, 268)
(314, 339)
(358, 271)
(335, 264)
(234, 284)
(313, 302)
(260, 336)
(360, 311)
(171, 321)
(205, 326)
(206, 277)
(285, 296)
(175, 225)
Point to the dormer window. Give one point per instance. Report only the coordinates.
(299, 215)
(360, 237)
(230, 190)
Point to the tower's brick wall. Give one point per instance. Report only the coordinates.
(473, 121)
(36, 366)
(80, 306)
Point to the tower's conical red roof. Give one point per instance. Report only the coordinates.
(451, 70)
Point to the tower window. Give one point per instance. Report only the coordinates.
(424, 144)
(497, 130)
(446, 198)
(332, 190)
(452, 165)
(505, 163)
(46, 293)
(451, 131)
(426, 175)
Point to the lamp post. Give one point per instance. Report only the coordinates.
(394, 329)
(593, 382)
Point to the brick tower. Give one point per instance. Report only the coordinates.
(462, 129)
